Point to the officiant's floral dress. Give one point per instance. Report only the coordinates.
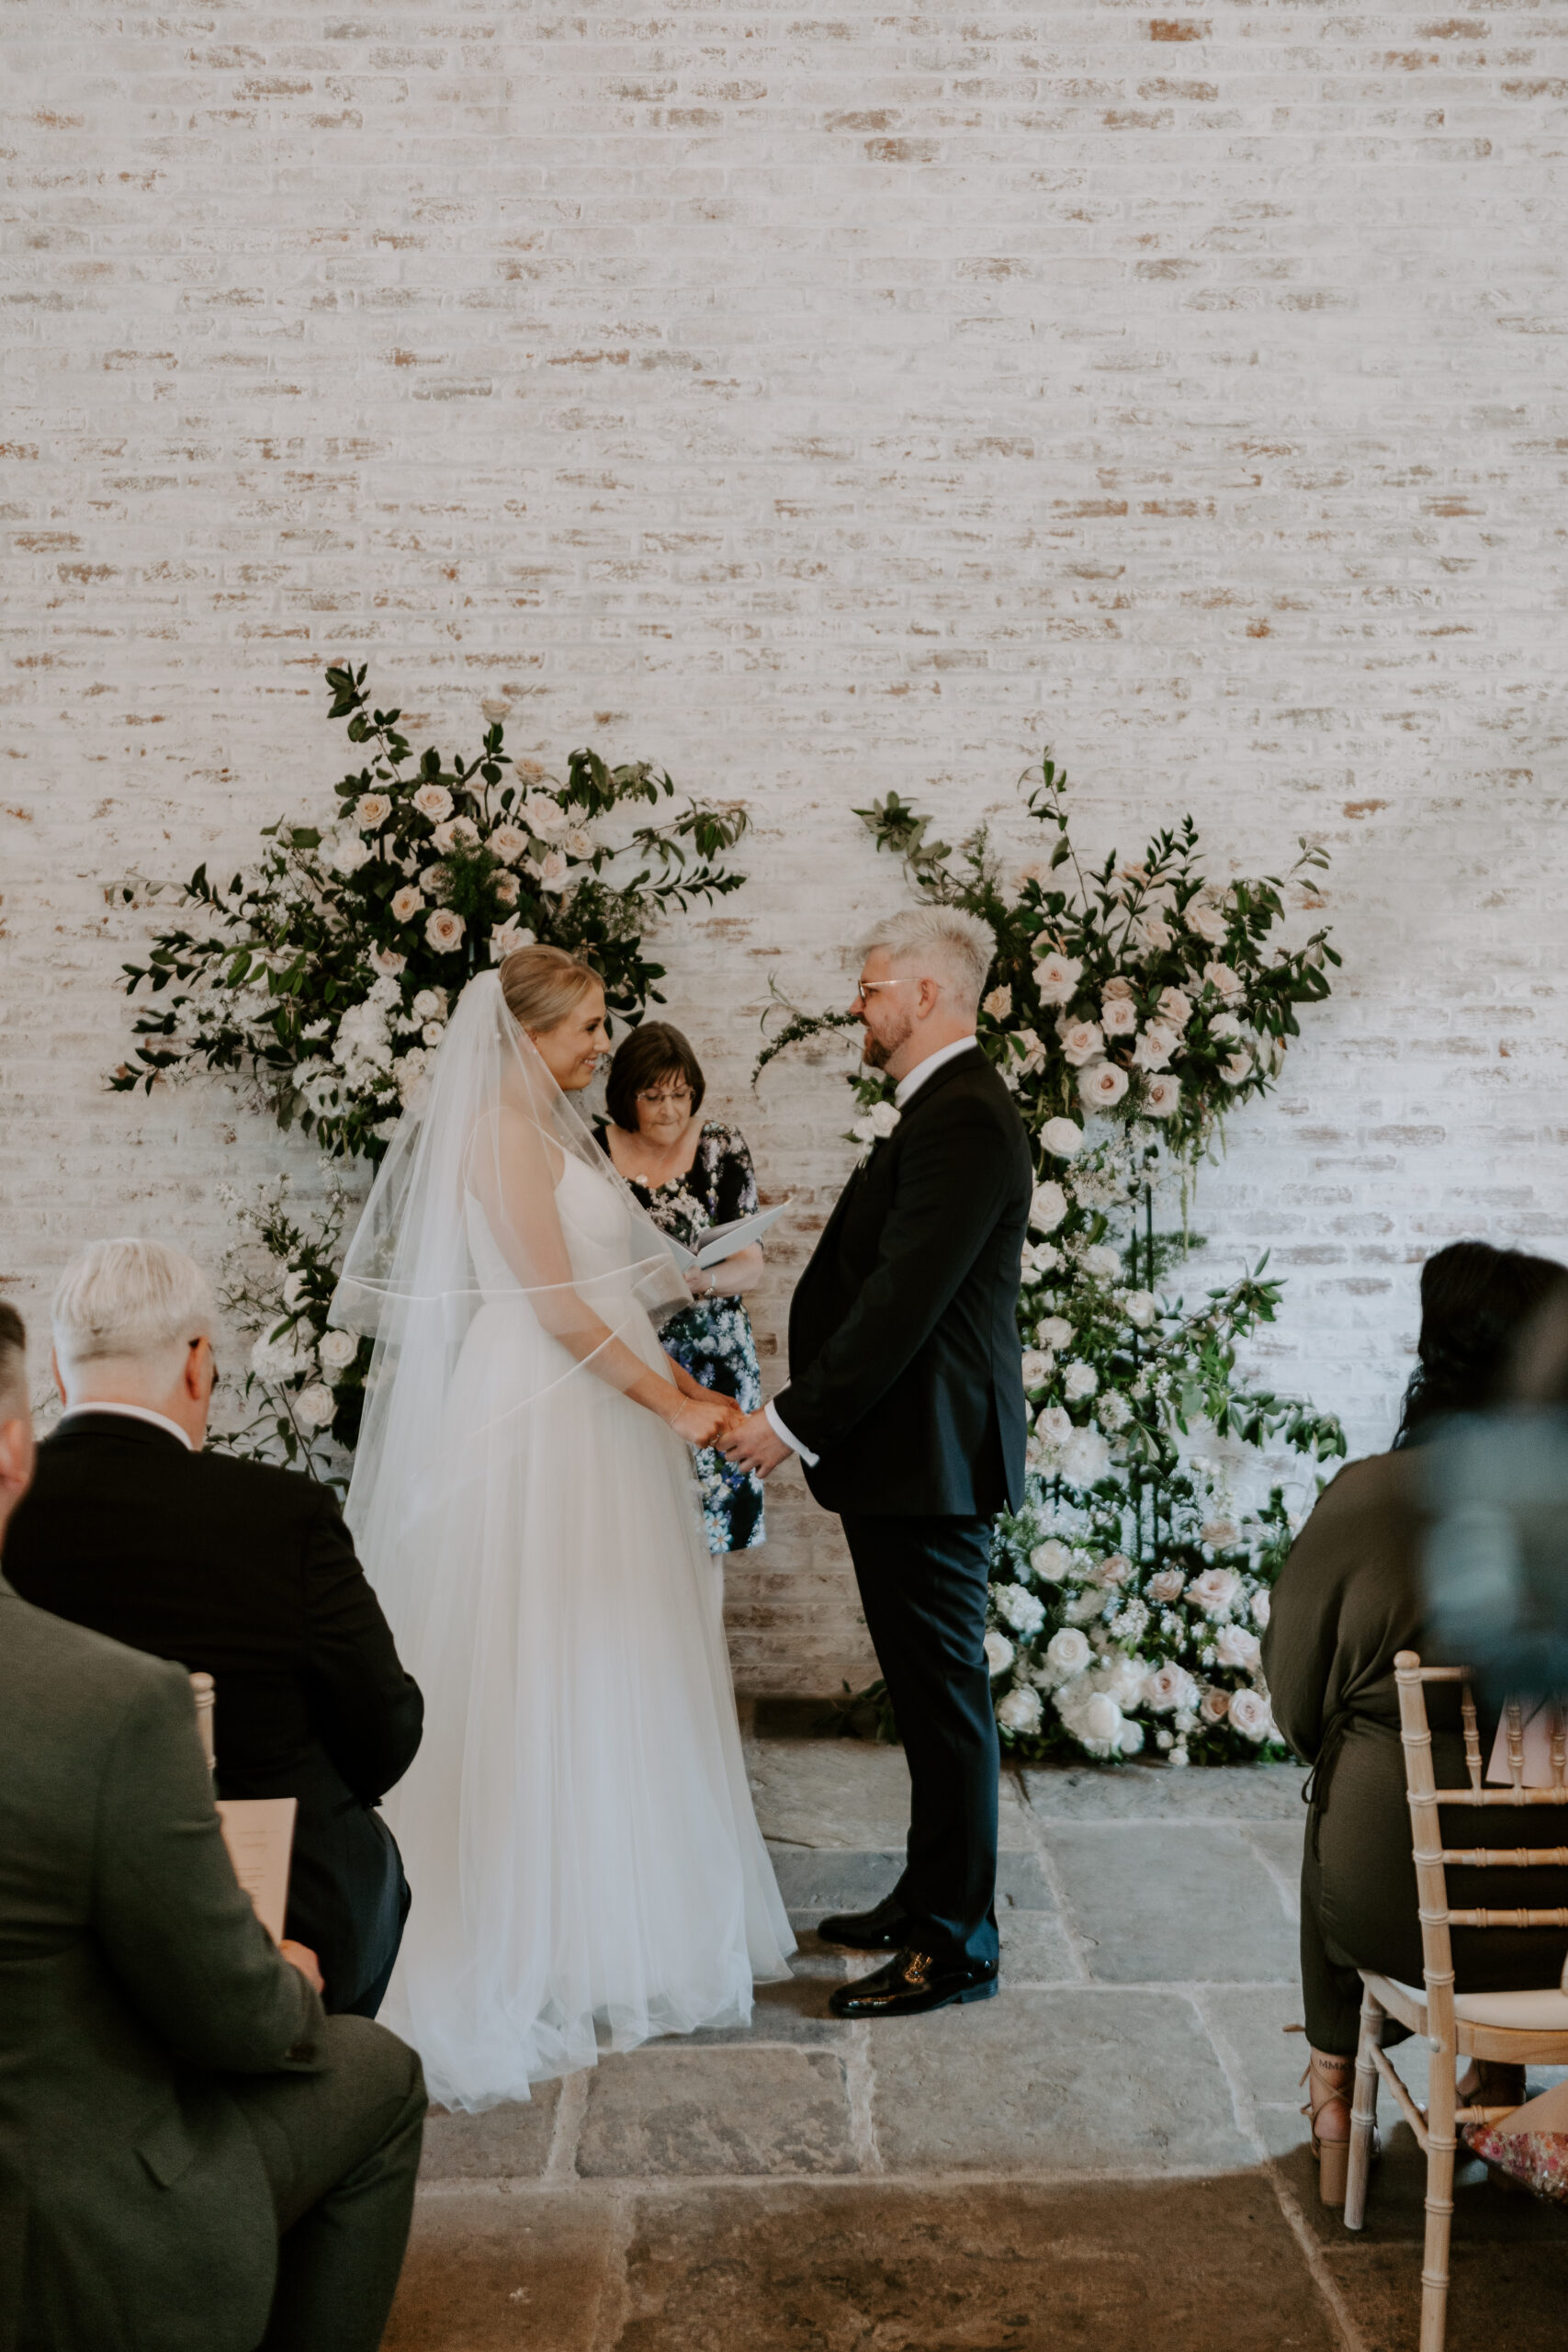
(711, 1339)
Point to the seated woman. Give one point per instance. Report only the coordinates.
(1348, 1601)
(690, 1173)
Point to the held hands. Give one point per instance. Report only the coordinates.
(702, 1416)
(754, 1444)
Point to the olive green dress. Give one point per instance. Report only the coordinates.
(1347, 1602)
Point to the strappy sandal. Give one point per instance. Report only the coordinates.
(1331, 2082)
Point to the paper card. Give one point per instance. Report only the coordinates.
(1547, 2113)
(259, 1834)
(721, 1241)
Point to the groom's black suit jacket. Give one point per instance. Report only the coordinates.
(906, 1370)
(248, 1574)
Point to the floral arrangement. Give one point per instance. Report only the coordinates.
(323, 981)
(1132, 1008)
(325, 978)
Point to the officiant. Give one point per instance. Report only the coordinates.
(690, 1173)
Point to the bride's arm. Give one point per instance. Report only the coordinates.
(512, 1175)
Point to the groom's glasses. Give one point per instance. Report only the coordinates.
(869, 987)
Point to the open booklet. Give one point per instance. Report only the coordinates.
(721, 1241)
(259, 1834)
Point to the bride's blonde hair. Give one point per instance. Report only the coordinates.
(541, 985)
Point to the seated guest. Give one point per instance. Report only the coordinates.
(689, 1173)
(1348, 1601)
(191, 2152)
(234, 1568)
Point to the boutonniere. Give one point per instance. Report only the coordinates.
(876, 1127)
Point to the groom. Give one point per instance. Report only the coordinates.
(906, 1405)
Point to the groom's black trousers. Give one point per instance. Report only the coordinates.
(923, 1588)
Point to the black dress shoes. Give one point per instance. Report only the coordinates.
(884, 1929)
(912, 1982)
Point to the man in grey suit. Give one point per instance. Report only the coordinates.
(193, 2155)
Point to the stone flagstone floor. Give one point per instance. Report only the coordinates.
(1108, 2155)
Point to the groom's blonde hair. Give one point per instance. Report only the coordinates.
(131, 1303)
(950, 945)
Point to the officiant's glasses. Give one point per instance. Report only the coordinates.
(657, 1094)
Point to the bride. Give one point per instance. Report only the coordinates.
(586, 1866)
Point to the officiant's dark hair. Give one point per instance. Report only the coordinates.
(13, 1359)
(1476, 1305)
(655, 1051)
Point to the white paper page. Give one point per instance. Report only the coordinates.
(721, 1241)
(1537, 1747)
(259, 1834)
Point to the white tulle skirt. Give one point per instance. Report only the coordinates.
(577, 1828)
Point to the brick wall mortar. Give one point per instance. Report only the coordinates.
(820, 405)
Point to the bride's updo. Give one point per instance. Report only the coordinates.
(541, 985)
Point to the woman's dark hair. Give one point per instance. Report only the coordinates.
(1476, 1303)
(655, 1051)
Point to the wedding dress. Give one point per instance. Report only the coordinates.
(577, 1828)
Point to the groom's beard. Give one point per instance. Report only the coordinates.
(877, 1052)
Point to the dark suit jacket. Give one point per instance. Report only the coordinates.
(906, 1369)
(247, 1573)
(134, 1975)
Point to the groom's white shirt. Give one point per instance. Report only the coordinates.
(901, 1093)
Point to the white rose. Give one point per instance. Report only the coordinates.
(1019, 1607)
(1140, 1308)
(1031, 1051)
(1174, 1009)
(1121, 1679)
(1038, 1367)
(1261, 1608)
(1068, 1653)
(507, 937)
(444, 931)
(507, 843)
(883, 1118)
(1102, 1719)
(1215, 1591)
(1101, 1262)
(429, 1004)
(434, 801)
(1000, 1653)
(1047, 1207)
(1118, 1016)
(1063, 1139)
(315, 1405)
(1216, 1706)
(1168, 1687)
(337, 1349)
(408, 902)
(1054, 1423)
(506, 886)
(1039, 1258)
(1130, 1741)
(1151, 935)
(1101, 1085)
(1227, 984)
(1166, 1585)
(1225, 1024)
(1218, 1533)
(1020, 1712)
(1082, 1041)
(348, 854)
(1056, 978)
(387, 962)
(281, 1359)
(1155, 1046)
(1111, 1573)
(998, 1004)
(372, 810)
(545, 819)
(1238, 1648)
(1206, 924)
(1251, 1715)
(433, 1033)
(1079, 1381)
(1161, 1097)
(1052, 1560)
(1053, 1332)
(1085, 1457)
(458, 833)
(582, 841)
(553, 871)
(1236, 1067)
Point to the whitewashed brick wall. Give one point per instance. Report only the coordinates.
(820, 404)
